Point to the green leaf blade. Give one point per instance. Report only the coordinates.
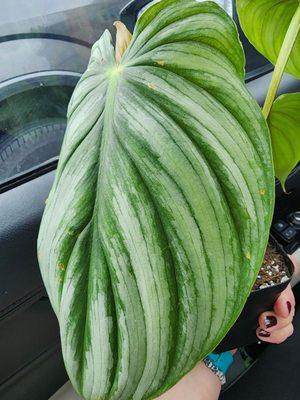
(175, 22)
(159, 215)
(265, 23)
(284, 123)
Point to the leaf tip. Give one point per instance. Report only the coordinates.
(282, 179)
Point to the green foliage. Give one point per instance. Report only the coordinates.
(284, 123)
(273, 28)
(158, 219)
(265, 23)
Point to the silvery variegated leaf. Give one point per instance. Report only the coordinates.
(158, 219)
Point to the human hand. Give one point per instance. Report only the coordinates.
(277, 325)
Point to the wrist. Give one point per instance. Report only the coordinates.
(210, 376)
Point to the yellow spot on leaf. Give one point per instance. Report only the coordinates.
(151, 86)
(61, 267)
(248, 256)
(262, 192)
(46, 200)
(160, 62)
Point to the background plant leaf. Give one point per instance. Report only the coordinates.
(265, 23)
(159, 216)
(284, 123)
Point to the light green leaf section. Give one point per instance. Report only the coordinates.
(158, 219)
(265, 23)
(284, 124)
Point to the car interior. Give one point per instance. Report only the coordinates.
(44, 48)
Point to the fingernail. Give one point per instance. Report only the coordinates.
(289, 306)
(264, 333)
(270, 321)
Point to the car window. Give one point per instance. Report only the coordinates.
(44, 48)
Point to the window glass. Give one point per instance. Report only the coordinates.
(44, 48)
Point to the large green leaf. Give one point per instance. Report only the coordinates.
(284, 123)
(158, 219)
(265, 23)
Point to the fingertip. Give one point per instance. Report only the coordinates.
(267, 320)
(262, 334)
(285, 303)
(282, 307)
(275, 337)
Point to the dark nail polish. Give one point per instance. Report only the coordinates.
(270, 321)
(289, 306)
(264, 333)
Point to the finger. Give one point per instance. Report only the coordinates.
(276, 337)
(295, 257)
(270, 321)
(285, 303)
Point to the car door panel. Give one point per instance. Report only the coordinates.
(21, 209)
(29, 333)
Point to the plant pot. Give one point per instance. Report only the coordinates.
(243, 332)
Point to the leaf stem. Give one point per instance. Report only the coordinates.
(282, 60)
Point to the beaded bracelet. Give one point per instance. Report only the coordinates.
(215, 370)
(219, 364)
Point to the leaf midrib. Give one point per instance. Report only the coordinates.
(113, 80)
